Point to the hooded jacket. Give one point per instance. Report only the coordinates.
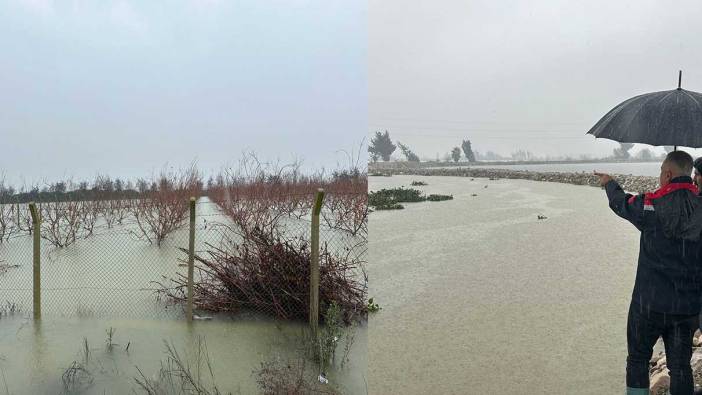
(669, 272)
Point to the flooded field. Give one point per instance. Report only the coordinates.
(34, 356)
(479, 296)
(107, 281)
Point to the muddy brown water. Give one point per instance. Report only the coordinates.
(479, 296)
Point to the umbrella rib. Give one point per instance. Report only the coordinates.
(692, 97)
(637, 113)
(612, 114)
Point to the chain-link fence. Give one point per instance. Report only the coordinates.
(130, 258)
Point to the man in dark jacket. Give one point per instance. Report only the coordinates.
(666, 297)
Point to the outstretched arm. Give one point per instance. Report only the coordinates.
(630, 207)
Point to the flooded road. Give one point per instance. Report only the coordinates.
(479, 296)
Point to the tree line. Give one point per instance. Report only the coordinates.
(382, 147)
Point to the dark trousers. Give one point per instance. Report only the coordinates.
(643, 329)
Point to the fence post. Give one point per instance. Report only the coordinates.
(191, 261)
(314, 263)
(36, 224)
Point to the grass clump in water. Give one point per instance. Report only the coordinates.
(389, 199)
(439, 198)
(77, 377)
(9, 309)
(178, 375)
(290, 378)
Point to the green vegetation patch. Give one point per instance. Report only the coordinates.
(390, 199)
(438, 198)
(418, 183)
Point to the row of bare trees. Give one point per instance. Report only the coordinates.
(261, 194)
(158, 211)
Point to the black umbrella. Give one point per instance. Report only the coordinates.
(660, 118)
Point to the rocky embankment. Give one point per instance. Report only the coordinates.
(628, 182)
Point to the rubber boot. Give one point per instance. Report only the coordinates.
(637, 391)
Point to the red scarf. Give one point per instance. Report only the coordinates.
(672, 187)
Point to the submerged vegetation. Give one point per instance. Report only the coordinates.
(278, 377)
(180, 376)
(183, 372)
(8, 309)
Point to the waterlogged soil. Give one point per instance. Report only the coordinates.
(34, 355)
(480, 296)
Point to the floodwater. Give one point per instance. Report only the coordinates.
(108, 281)
(633, 168)
(34, 355)
(478, 296)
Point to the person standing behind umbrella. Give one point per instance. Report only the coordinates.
(697, 177)
(668, 288)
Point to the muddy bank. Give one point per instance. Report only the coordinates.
(628, 182)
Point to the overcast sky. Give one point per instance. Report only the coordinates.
(124, 87)
(535, 75)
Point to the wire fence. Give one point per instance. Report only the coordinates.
(130, 259)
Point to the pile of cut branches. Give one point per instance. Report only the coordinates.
(270, 274)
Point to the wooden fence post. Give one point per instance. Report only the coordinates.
(191, 260)
(36, 224)
(314, 263)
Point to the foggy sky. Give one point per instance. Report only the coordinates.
(125, 87)
(535, 75)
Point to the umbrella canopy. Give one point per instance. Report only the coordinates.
(660, 118)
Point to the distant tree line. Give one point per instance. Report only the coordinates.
(103, 188)
(382, 147)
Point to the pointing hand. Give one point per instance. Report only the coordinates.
(604, 178)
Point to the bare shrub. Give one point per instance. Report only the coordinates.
(61, 222)
(7, 221)
(89, 211)
(165, 206)
(120, 209)
(25, 220)
(346, 205)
